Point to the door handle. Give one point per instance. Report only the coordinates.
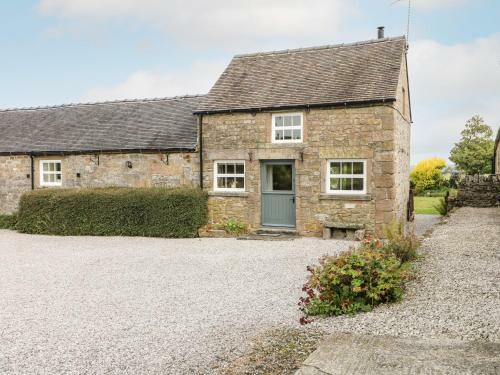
(293, 200)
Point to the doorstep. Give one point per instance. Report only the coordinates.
(272, 234)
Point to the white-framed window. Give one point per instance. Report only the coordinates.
(346, 176)
(229, 175)
(50, 173)
(288, 128)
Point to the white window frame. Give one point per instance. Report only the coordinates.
(341, 175)
(55, 183)
(216, 175)
(274, 128)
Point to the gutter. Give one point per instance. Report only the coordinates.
(85, 152)
(361, 103)
(32, 172)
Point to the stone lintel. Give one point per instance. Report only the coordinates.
(235, 194)
(360, 197)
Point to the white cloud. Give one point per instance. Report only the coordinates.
(450, 84)
(196, 79)
(215, 22)
(433, 4)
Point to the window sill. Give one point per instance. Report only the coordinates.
(238, 194)
(346, 197)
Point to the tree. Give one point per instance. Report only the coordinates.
(427, 174)
(472, 155)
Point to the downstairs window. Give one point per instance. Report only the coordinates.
(346, 177)
(229, 175)
(50, 173)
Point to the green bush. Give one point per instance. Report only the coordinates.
(152, 212)
(441, 207)
(234, 227)
(403, 246)
(7, 221)
(438, 192)
(354, 281)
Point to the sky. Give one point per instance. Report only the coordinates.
(69, 51)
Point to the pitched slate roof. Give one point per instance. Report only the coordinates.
(345, 73)
(153, 124)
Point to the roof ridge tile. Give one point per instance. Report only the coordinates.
(118, 101)
(318, 48)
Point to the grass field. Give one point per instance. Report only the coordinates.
(425, 205)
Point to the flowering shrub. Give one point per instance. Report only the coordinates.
(428, 175)
(402, 245)
(353, 281)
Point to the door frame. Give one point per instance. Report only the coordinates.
(293, 192)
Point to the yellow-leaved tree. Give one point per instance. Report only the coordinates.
(428, 175)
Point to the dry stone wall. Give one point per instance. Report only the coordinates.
(477, 191)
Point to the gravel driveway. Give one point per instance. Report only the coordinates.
(457, 294)
(136, 305)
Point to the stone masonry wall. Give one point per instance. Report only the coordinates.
(402, 131)
(151, 169)
(367, 133)
(477, 191)
(15, 179)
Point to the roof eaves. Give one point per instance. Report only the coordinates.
(104, 151)
(356, 103)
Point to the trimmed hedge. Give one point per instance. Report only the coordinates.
(7, 221)
(148, 212)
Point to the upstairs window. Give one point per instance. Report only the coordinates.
(50, 173)
(287, 128)
(229, 176)
(346, 177)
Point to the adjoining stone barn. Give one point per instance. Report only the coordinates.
(124, 143)
(313, 140)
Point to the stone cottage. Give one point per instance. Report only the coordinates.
(297, 139)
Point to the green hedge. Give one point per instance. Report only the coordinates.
(149, 212)
(7, 221)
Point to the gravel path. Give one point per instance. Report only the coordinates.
(80, 305)
(424, 223)
(457, 294)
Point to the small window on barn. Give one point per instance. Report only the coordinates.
(229, 175)
(346, 177)
(287, 128)
(50, 173)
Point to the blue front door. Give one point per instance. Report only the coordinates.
(278, 193)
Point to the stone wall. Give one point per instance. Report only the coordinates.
(15, 179)
(477, 191)
(402, 131)
(100, 170)
(368, 133)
